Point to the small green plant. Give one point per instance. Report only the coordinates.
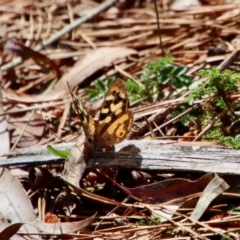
(149, 222)
(192, 117)
(100, 88)
(59, 153)
(233, 207)
(217, 108)
(231, 142)
(219, 85)
(135, 90)
(229, 237)
(157, 76)
(172, 230)
(161, 74)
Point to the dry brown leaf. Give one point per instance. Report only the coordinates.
(75, 165)
(15, 204)
(65, 227)
(4, 133)
(167, 190)
(10, 231)
(22, 97)
(92, 62)
(216, 187)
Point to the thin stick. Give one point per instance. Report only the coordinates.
(106, 5)
(159, 28)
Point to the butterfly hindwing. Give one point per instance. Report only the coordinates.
(118, 130)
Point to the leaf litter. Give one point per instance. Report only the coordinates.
(115, 39)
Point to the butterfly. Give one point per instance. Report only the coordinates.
(114, 122)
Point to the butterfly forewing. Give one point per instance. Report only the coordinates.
(115, 121)
(115, 103)
(86, 119)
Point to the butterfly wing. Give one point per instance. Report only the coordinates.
(86, 119)
(115, 121)
(118, 130)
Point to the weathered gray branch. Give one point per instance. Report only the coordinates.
(142, 154)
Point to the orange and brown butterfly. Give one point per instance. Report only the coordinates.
(114, 122)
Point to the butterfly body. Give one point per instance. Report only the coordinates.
(114, 122)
